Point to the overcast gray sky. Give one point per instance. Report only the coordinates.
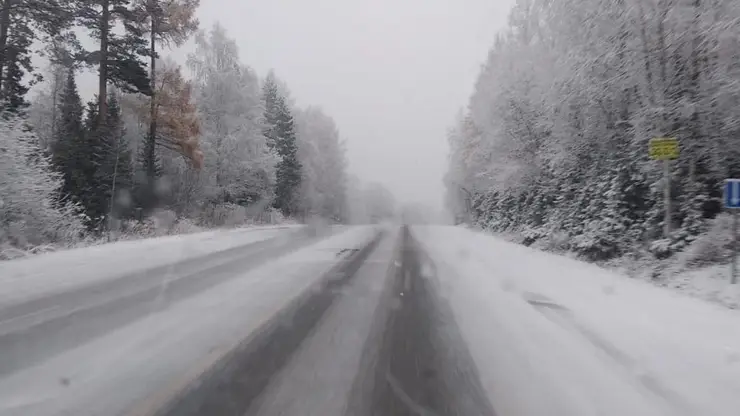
(392, 73)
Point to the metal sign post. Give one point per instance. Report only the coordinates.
(733, 278)
(665, 149)
(667, 219)
(732, 202)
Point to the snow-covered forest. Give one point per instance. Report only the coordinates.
(204, 143)
(553, 145)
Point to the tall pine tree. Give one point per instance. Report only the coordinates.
(70, 151)
(280, 133)
(118, 55)
(22, 23)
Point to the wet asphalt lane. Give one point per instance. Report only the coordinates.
(423, 367)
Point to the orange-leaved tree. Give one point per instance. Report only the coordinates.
(177, 119)
(170, 22)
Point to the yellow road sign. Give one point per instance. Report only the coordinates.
(664, 148)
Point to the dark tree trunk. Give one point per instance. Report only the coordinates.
(103, 71)
(150, 171)
(4, 29)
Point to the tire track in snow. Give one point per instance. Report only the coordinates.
(563, 317)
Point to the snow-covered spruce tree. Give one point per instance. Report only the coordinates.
(93, 158)
(32, 209)
(280, 133)
(114, 173)
(72, 154)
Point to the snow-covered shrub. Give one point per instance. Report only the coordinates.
(558, 241)
(160, 223)
(661, 249)
(185, 226)
(224, 214)
(32, 212)
(595, 243)
(164, 221)
(532, 235)
(715, 246)
(138, 229)
(274, 216)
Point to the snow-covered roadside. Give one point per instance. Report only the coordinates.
(555, 336)
(166, 349)
(64, 270)
(708, 282)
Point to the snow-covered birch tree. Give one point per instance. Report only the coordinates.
(323, 160)
(239, 167)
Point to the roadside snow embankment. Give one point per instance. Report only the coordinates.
(36, 276)
(700, 269)
(555, 336)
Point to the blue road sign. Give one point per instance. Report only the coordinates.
(732, 193)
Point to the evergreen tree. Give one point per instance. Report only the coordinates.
(280, 134)
(22, 23)
(17, 66)
(118, 55)
(94, 159)
(70, 151)
(91, 115)
(92, 201)
(114, 176)
(270, 98)
(111, 174)
(149, 171)
(84, 153)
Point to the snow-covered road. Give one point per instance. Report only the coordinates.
(48, 319)
(366, 321)
(40, 276)
(554, 336)
(121, 346)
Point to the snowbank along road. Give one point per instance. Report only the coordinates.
(365, 321)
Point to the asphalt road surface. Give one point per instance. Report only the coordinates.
(374, 340)
(372, 337)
